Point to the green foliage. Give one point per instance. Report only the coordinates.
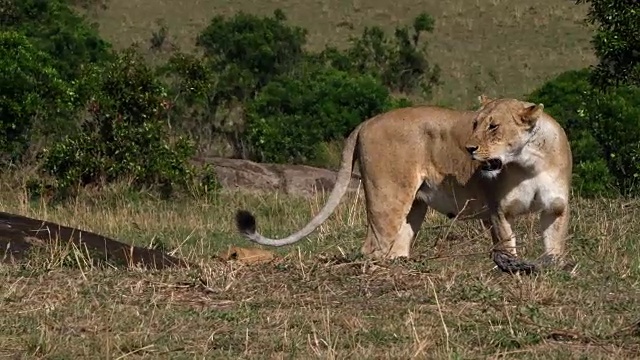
(125, 136)
(53, 27)
(248, 51)
(293, 114)
(289, 103)
(592, 178)
(400, 63)
(30, 90)
(293, 100)
(241, 54)
(563, 98)
(616, 41)
(194, 84)
(614, 117)
(201, 108)
(600, 108)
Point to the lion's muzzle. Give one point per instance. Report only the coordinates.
(494, 164)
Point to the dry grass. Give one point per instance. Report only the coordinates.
(503, 48)
(320, 299)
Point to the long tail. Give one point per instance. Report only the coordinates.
(246, 222)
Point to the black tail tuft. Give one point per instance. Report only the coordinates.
(245, 222)
(511, 264)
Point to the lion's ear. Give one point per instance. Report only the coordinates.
(484, 99)
(531, 113)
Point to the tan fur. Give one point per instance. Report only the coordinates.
(416, 157)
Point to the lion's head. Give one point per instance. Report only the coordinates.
(501, 129)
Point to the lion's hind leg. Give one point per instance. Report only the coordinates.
(393, 222)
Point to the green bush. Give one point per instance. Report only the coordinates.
(67, 44)
(563, 98)
(30, 91)
(248, 51)
(241, 54)
(237, 91)
(199, 102)
(293, 114)
(592, 178)
(53, 27)
(614, 117)
(616, 41)
(400, 63)
(125, 136)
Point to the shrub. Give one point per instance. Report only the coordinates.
(30, 90)
(193, 83)
(616, 41)
(400, 63)
(563, 98)
(201, 109)
(293, 114)
(53, 27)
(248, 51)
(125, 136)
(592, 178)
(245, 54)
(614, 117)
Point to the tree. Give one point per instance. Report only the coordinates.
(616, 42)
(248, 50)
(32, 94)
(125, 135)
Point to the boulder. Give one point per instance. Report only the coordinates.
(299, 180)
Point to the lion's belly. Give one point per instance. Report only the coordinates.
(453, 202)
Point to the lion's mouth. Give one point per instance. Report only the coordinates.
(492, 165)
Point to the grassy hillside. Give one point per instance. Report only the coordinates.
(503, 48)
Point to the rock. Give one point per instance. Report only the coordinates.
(290, 179)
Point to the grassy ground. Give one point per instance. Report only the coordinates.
(503, 48)
(320, 299)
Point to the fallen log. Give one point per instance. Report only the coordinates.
(19, 234)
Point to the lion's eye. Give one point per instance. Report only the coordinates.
(493, 126)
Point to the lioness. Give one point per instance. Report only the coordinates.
(505, 159)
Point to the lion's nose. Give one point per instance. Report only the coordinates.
(471, 149)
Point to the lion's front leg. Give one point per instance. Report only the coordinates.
(554, 224)
(501, 233)
(504, 246)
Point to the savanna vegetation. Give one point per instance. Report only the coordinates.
(104, 103)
